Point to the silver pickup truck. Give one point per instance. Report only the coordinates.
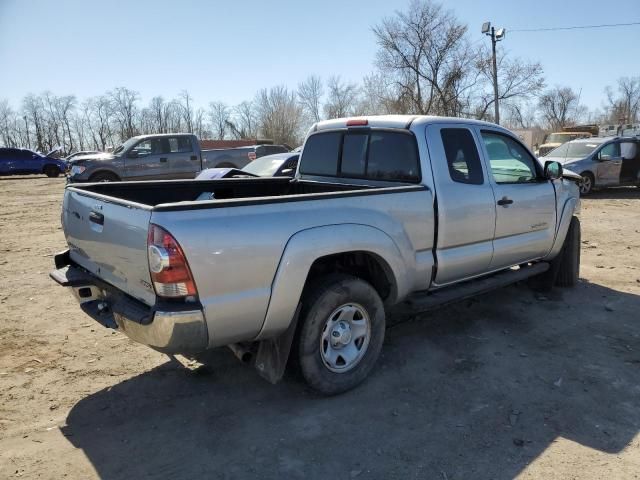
(409, 212)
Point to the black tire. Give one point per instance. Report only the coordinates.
(51, 171)
(569, 257)
(320, 302)
(588, 180)
(104, 177)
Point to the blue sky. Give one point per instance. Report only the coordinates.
(222, 50)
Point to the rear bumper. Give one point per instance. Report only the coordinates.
(166, 327)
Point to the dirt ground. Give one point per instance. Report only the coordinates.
(512, 384)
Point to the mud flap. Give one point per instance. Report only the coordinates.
(273, 353)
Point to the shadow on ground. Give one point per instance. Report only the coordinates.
(477, 390)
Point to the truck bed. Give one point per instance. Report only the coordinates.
(181, 194)
(106, 224)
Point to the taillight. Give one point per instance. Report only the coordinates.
(252, 156)
(169, 269)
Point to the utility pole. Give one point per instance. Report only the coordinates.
(496, 36)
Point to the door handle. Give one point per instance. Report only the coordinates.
(194, 157)
(504, 201)
(163, 159)
(97, 218)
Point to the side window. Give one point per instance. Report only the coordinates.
(354, 155)
(610, 151)
(462, 156)
(510, 162)
(180, 144)
(321, 154)
(271, 149)
(24, 155)
(628, 150)
(152, 146)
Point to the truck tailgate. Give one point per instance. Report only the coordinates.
(110, 241)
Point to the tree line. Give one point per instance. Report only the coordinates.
(426, 63)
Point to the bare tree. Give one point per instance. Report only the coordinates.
(9, 125)
(559, 107)
(279, 115)
(245, 120)
(342, 98)
(199, 128)
(186, 103)
(310, 92)
(518, 81)
(219, 116)
(426, 53)
(625, 104)
(124, 109)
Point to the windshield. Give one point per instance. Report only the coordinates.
(559, 138)
(573, 150)
(125, 146)
(264, 167)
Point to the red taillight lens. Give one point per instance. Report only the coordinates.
(252, 156)
(168, 266)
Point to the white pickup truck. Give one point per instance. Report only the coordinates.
(383, 210)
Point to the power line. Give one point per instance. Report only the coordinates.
(578, 27)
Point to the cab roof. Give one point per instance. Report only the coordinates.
(397, 121)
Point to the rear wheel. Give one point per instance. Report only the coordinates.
(341, 333)
(586, 187)
(51, 171)
(104, 177)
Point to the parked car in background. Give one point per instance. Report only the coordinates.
(161, 157)
(80, 154)
(240, 156)
(278, 165)
(601, 162)
(554, 140)
(145, 157)
(382, 209)
(20, 161)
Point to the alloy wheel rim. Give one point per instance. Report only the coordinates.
(345, 337)
(586, 184)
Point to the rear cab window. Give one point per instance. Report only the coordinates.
(369, 154)
(180, 144)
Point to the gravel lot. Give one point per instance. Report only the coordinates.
(512, 384)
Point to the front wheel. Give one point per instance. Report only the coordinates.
(341, 333)
(569, 257)
(51, 171)
(586, 187)
(103, 177)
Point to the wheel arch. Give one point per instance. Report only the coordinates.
(49, 165)
(360, 250)
(104, 170)
(570, 207)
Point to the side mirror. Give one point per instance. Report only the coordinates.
(552, 170)
(132, 154)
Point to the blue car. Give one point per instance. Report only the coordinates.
(19, 161)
